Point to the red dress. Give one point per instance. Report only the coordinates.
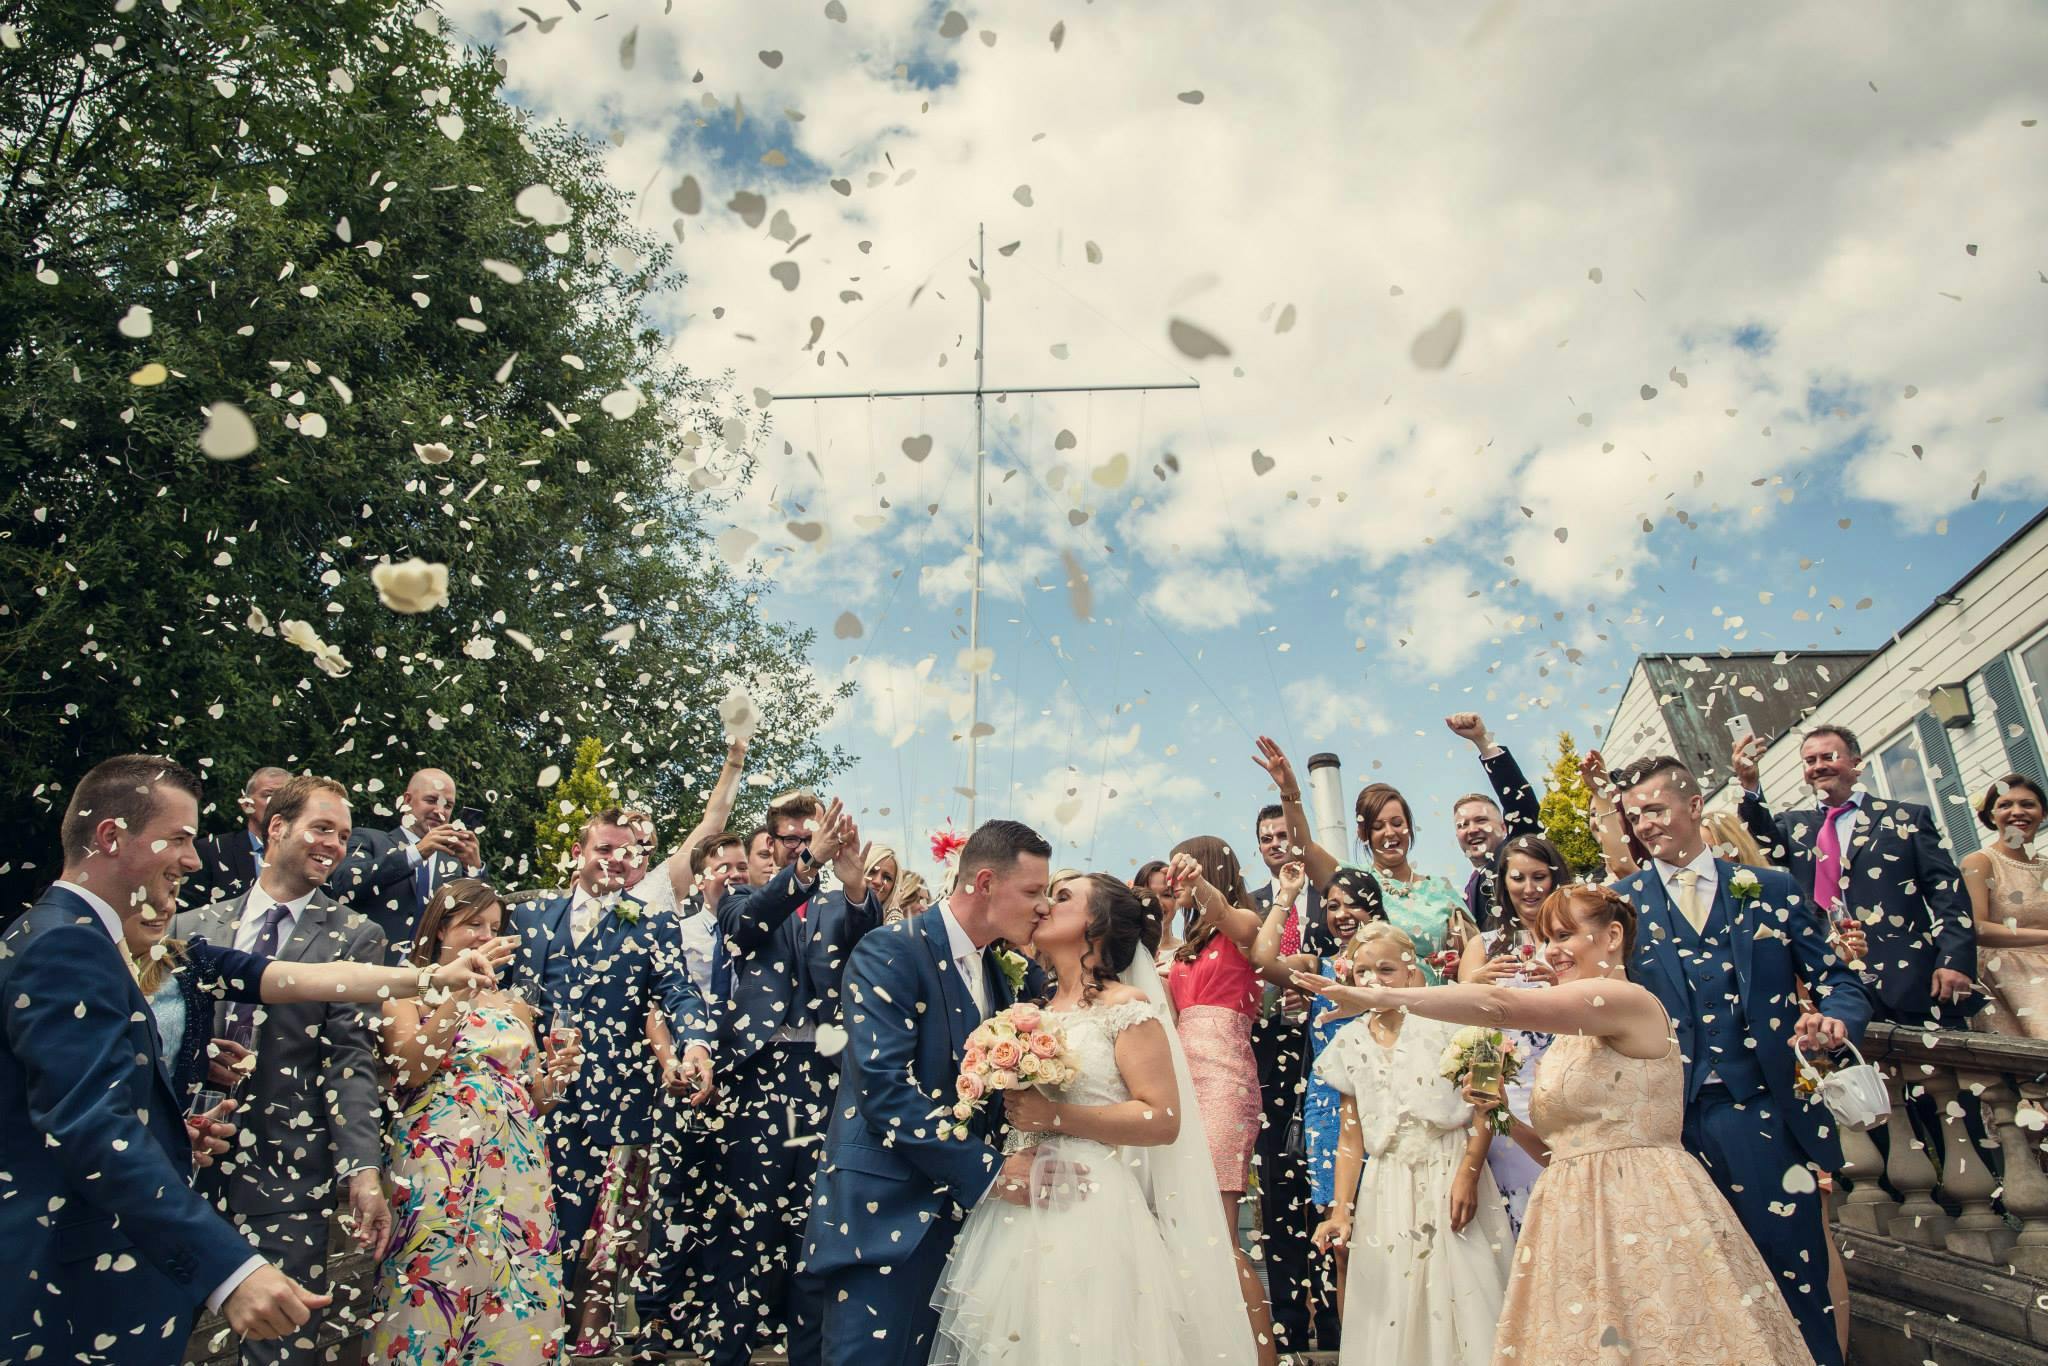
(1216, 1000)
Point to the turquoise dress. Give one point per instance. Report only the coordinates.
(1424, 910)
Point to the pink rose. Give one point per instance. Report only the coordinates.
(969, 1086)
(1045, 1045)
(1002, 1081)
(1025, 1017)
(1005, 1054)
(973, 1060)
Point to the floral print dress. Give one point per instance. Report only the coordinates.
(473, 1274)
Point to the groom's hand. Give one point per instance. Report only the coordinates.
(1013, 1181)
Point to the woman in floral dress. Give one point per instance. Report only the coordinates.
(473, 1274)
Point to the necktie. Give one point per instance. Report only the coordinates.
(970, 973)
(423, 880)
(584, 919)
(1473, 886)
(1689, 900)
(1827, 873)
(1290, 934)
(242, 1018)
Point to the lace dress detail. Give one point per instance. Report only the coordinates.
(1091, 1034)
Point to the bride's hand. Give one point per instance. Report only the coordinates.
(1345, 1001)
(1030, 1111)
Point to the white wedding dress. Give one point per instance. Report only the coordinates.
(1129, 1263)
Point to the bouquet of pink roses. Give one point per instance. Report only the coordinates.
(1009, 1051)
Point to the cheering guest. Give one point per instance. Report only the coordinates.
(1484, 823)
(311, 1106)
(763, 856)
(111, 1252)
(2009, 899)
(1881, 862)
(390, 874)
(228, 863)
(1724, 948)
(1216, 996)
(912, 897)
(883, 870)
(1428, 1270)
(1593, 1268)
(473, 1272)
(1151, 881)
(665, 886)
(1619, 849)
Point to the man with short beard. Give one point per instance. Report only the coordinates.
(310, 1097)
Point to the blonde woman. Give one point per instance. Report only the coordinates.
(912, 898)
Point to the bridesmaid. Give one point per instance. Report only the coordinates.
(473, 1273)
(1216, 995)
(1591, 1270)
(2009, 894)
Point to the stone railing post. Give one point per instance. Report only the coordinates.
(2019, 1119)
(1966, 1175)
(1918, 1219)
(1867, 1208)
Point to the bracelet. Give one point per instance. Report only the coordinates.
(426, 981)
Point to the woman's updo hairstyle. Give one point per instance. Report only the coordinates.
(1120, 925)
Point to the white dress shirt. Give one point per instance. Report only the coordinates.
(585, 911)
(111, 919)
(966, 958)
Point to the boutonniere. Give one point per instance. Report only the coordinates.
(1745, 886)
(629, 910)
(1011, 964)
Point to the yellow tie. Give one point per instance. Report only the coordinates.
(1689, 900)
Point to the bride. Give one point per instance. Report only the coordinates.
(1123, 1257)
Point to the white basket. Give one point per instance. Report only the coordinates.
(1856, 1096)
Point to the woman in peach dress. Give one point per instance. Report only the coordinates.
(1628, 1252)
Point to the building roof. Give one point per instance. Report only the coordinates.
(1697, 693)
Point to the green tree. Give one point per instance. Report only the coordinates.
(1565, 807)
(327, 215)
(581, 795)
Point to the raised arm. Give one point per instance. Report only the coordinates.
(1238, 924)
(362, 982)
(1520, 810)
(1609, 825)
(717, 811)
(1265, 954)
(1320, 864)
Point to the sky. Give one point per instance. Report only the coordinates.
(1528, 338)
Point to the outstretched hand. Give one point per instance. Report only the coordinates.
(1345, 1001)
(1279, 768)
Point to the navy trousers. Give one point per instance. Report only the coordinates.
(883, 1316)
(1747, 1149)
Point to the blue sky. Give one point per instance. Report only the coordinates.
(1709, 271)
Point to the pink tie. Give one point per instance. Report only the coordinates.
(1827, 876)
(1290, 935)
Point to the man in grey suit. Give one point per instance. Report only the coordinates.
(311, 1105)
(389, 874)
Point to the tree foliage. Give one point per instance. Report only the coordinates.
(1565, 809)
(581, 795)
(316, 205)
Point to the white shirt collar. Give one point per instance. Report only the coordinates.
(580, 898)
(109, 917)
(962, 946)
(259, 904)
(406, 833)
(1710, 877)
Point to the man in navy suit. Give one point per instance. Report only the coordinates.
(1725, 947)
(609, 966)
(1882, 862)
(389, 874)
(110, 1251)
(229, 863)
(776, 969)
(894, 1187)
(1482, 823)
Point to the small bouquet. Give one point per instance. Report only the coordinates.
(1009, 1051)
(1487, 1059)
(1444, 962)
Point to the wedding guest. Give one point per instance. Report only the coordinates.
(228, 863)
(311, 1103)
(1428, 1270)
(1880, 861)
(1531, 869)
(2008, 886)
(1730, 839)
(666, 884)
(1724, 950)
(1484, 823)
(912, 898)
(763, 861)
(389, 874)
(1151, 881)
(882, 872)
(1610, 1110)
(94, 1128)
(1216, 994)
(1432, 914)
(1619, 849)
(473, 1271)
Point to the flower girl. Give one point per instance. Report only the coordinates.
(1430, 1255)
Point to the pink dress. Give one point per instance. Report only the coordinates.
(1216, 999)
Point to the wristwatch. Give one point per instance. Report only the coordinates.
(426, 980)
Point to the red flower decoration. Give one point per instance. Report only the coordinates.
(946, 843)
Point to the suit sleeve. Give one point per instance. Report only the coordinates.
(749, 917)
(1519, 806)
(67, 1015)
(227, 974)
(349, 1077)
(1837, 992)
(365, 873)
(882, 1020)
(1767, 830)
(1948, 904)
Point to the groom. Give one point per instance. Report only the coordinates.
(892, 1192)
(1724, 947)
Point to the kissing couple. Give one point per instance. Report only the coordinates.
(1078, 1225)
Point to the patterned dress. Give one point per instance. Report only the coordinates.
(1425, 909)
(472, 1275)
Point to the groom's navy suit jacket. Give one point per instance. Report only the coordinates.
(889, 1176)
(1776, 941)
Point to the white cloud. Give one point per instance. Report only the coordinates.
(1195, 598)
(1322, 710)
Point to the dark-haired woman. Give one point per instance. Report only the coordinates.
(2008, 885)
(1625, 1227)
(473, 1273)
(1129, 1259)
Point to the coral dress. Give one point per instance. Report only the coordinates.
(1629, 1253)
(1216, 998)
(2016, 978)
(472, 1275)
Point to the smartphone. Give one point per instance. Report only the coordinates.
(470, 818)
(1740, 730)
